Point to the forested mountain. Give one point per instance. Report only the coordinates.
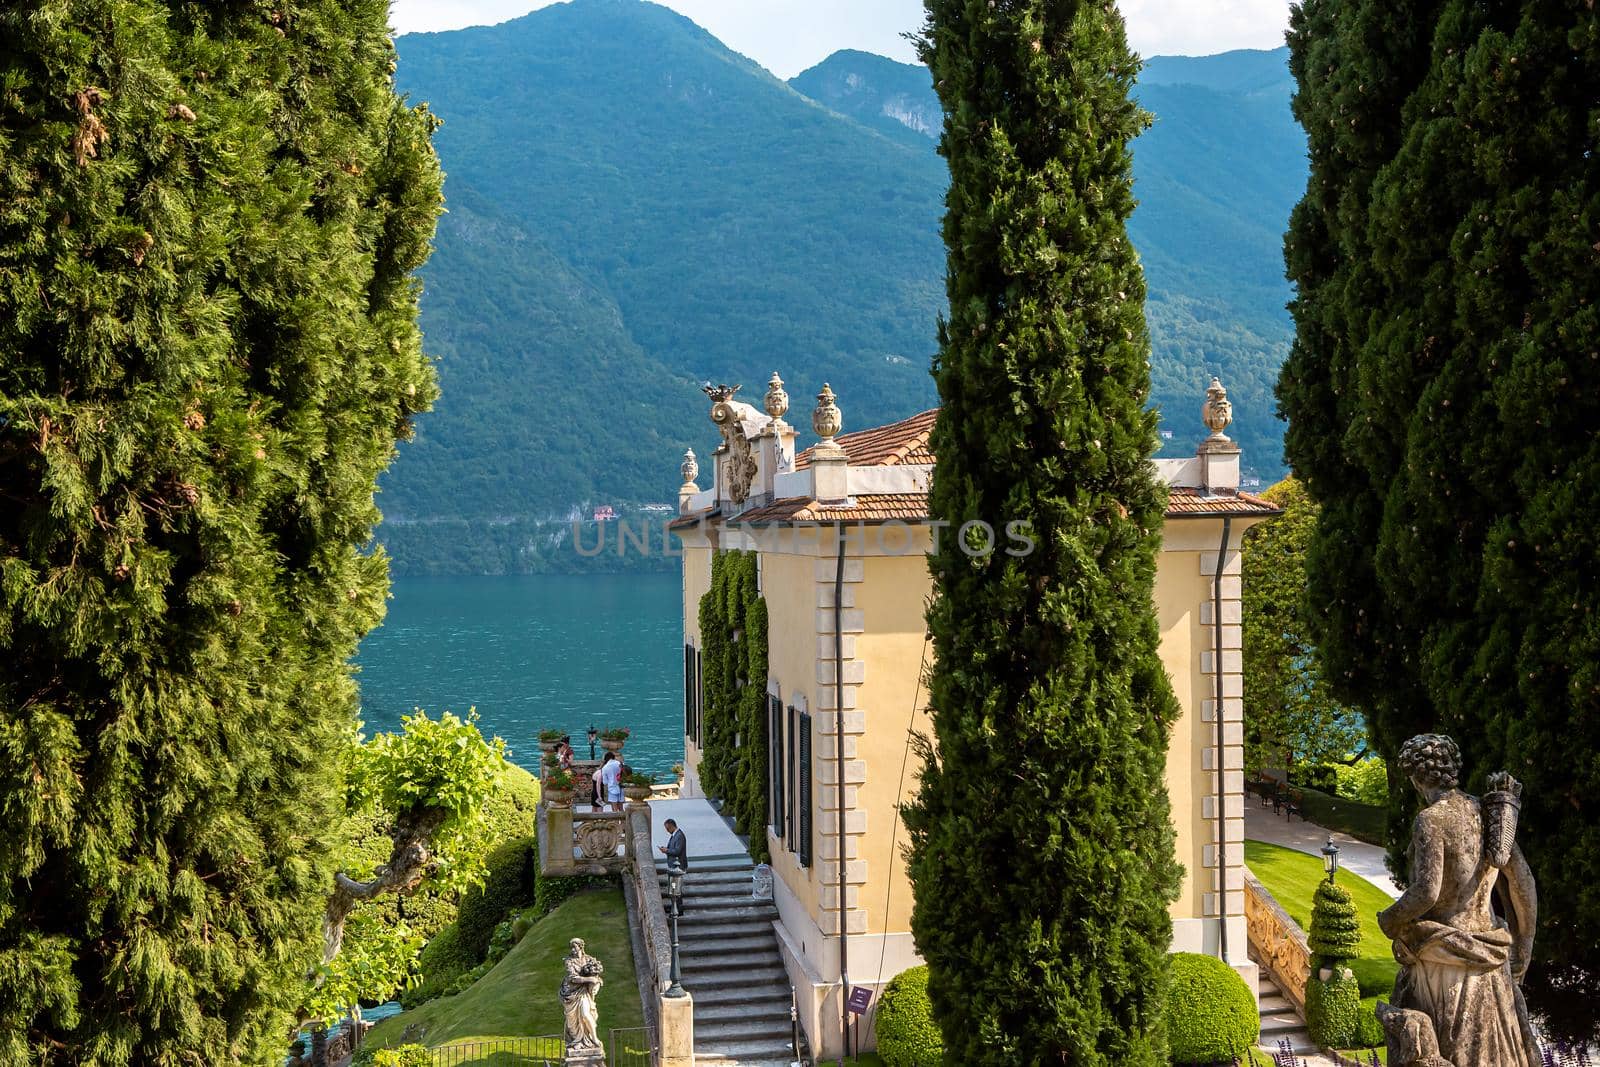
(633, 209)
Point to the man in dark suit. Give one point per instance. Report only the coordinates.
(677, 852)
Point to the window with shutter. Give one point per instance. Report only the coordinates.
(688, 690)
(791, 782)
(805, 790)
(699, 695)
(775, 765)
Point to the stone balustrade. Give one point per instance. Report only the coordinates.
(1277, 943)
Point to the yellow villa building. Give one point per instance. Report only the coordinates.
(863, 651)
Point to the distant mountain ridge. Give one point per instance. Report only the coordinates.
(634, 208)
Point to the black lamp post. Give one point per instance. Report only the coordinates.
(1330, 858)
(675, 894)
(593, 735)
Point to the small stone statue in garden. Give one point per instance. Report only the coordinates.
(580, 984)
(1457, 1001)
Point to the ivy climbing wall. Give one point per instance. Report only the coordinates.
(733, 633)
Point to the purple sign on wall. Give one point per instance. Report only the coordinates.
(860, 997)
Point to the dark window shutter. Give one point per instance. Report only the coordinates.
(805, 790)
(688, 690)
(775, 764)
(699, 694)
(791, 783)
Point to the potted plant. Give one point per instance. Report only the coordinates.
(612, 738)
(558, 786)
(636, 786)
(549, 739)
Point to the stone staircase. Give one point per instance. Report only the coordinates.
(1280, 1022)
(732, 966)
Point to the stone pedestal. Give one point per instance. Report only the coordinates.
(677, 1031)
(586, 1057)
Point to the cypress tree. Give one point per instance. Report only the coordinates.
(1041, 843)
(210, 216)
(1467, 340)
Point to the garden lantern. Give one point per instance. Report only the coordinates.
(593, 736)
(675, 896)
(1330, 858)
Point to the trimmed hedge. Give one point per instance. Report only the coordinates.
(1332, 1010)
(907, 1034)
(1211, 1016)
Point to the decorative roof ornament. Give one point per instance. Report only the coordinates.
(827, 419)
(1218, 410)
(777, 403)
(690, 469)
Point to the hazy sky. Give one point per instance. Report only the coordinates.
(787, 36)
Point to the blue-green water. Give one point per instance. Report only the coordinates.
(531, 652)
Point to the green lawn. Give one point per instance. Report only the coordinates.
(1292, 877)
(519, 997)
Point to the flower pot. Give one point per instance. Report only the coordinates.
(550, 746)
(636, 792)
(611, 746)
(559, 798)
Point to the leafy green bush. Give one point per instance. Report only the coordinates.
(1376, 976)
(1332, 1008)
(907, 1034)
(403, 1056)
(1366, 782)
(1369, 1031)
(1335, 928)
(1211, 1016)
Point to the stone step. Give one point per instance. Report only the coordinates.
(743, 993)
(1280, 1024)
(772, 1012)
(709, 863)
(1274, 1004)
(727, 961)
(714, 901)
(712, 1034)
(744, 1053)
(715, 874)
(700, 914)
(711, 980)
(723, 928)
(711, 950)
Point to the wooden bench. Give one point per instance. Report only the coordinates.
(1290, 801)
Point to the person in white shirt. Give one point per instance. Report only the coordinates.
(611, 781)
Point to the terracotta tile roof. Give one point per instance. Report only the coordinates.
(903, 442)
(913, 507)
(694, 517)
(873, 507)
(1194, 503)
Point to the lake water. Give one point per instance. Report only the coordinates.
(534, 651)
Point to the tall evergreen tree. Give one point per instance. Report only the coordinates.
(1446, 389)
(210, 216)
(1041, 841)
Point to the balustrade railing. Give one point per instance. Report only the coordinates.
(503, 1052)
(1277, 943)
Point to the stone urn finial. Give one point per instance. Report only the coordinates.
(690, 469)
(1218, 411)
(827, 419)
(777, 400)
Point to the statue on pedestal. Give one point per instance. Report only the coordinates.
(580, 984)
(1457, 1001)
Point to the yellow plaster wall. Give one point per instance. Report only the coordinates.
(788, 582)
(891, 600)
(1180, 590)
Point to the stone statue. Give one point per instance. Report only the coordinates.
(580, 984)
(1457, 1000)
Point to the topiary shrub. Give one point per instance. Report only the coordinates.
(1335, 928)
(907, 1034)
(1211, 1016)
(1332, 1008)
